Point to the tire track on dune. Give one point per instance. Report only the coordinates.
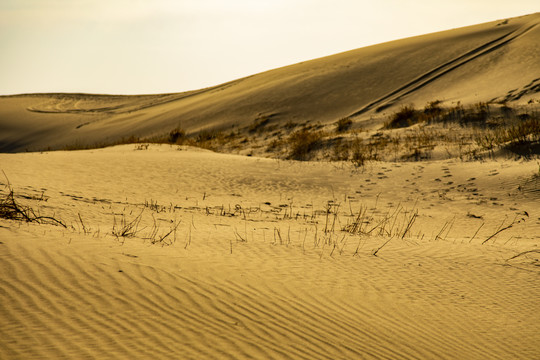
(443, 69)
(70, 104)
(65, 106)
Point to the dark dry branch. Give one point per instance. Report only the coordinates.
(380, 247)
(239, 237)
(10, 209)
(85, 230)
(501, 229)
(523, 253)
(476, 233)
(410, 224)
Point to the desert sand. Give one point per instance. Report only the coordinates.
(172, 251)
(250, 272)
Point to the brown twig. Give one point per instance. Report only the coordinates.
(10, 209)
(501, 229)
(523, 253)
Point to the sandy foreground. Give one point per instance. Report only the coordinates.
(233, 257)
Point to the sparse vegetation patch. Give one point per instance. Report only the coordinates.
(343, 124)
(11, 209)
(303, 142)
(406, 116)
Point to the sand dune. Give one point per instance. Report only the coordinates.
(495, 61)
(418, 240)
(252, 273)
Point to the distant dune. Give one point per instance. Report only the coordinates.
(497, 61)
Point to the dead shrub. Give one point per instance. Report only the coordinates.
(433, 111)
(10, 209)
(303, 142)
(343, 124)
(341, 149)
(525, 131)
(477, 115)
(360, 153)
(258, 125)
(405, 117)
(176, 136)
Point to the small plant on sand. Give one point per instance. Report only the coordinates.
(142, 146)
(406, 116)
(210, 139)
(10, 209)
(176, 136)
(274, 145)
(259, 124)
(126, 228)
(433, 111)
(303, 142)
(506, 110)
(164, 238)
(525, 131)
(290, 125)
(359, 153)
(503, 227)
(478, 114)
(340, 150)
(343, 124)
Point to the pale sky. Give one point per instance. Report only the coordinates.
(158, 46)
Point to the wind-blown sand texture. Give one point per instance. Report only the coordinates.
(428, 248)
(495, 61)
(251, 272)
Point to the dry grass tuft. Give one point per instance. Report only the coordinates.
(303, 142)
(343, 124)
(177, 136)
(10, 209)
(405, 117)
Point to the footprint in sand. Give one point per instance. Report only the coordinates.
(446, 171)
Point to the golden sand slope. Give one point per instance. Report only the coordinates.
(252, 273)
(493, 61)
